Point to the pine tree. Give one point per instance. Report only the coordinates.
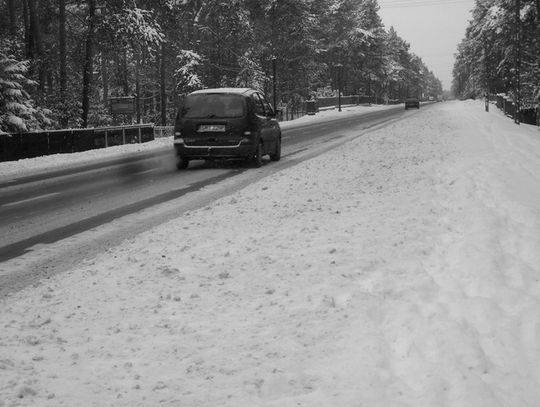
(17, 113)
(488, 56)
(82, 52)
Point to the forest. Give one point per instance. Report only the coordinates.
(63, 61)
(501, 52)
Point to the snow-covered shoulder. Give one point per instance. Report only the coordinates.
(398, 269)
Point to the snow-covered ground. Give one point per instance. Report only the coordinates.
(400, 269)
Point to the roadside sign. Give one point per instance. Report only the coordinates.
(123, 105)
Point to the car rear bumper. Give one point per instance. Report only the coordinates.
(407, 105)
(241, 150)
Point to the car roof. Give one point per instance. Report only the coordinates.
(236, 91)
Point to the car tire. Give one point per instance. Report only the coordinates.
(257, 158)
(182, 163)
(276, 156)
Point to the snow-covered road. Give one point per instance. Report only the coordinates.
(400, 269)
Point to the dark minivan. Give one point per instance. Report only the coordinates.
(412, 102)
(226, 123)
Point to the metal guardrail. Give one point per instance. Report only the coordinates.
(163, 131)
(35, 144)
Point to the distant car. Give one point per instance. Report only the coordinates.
(412, 102)
(226, 123)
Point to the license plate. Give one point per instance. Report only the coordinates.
(210, 128)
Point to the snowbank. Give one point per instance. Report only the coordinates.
(401, 269)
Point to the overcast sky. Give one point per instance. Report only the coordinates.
(434, 28)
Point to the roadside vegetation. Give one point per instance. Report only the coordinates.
(71, 57)
(501, 51)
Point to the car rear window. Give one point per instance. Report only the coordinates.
(213, 105)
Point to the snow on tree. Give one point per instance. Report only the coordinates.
(156, 49)
(488, 56)
(17, 112)
(186, 75)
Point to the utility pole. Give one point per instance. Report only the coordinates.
(162, 84)
(274, 83)
(486, 65)
(339, 68)
(517, 60)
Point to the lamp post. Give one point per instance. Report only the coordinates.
(339, 68)
(274, 81)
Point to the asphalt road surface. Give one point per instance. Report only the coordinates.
(39, 210)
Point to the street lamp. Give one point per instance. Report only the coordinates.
(339, 68)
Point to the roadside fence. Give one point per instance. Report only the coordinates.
(527, 115)
(34, 144)
(163, 131)
(310, 107)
